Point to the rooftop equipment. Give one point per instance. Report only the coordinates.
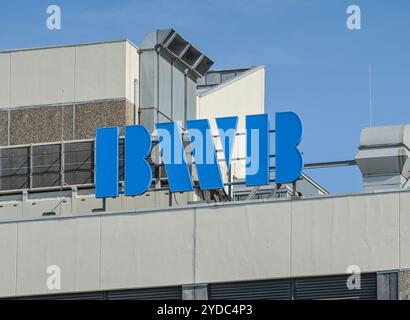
(384, 157)
(169, 67)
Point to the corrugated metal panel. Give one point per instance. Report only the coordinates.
(316, 288)
(178, 94)
(170, 293)
(335, 287)
(388, 285)
(264, 290)
(73, 296)
(164, 89)
(191, 99)
(167, 293)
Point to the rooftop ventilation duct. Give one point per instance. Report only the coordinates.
(169, 69)
(384, 157)
(169, 43)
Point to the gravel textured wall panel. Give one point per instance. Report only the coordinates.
(41, 124)
(4, 119)
(90, 116)
(44, 124)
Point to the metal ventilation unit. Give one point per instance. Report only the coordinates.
(169, 69)
(384, 157)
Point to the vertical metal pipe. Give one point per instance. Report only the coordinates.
(170, 198)
(135, 102)
(9, 100)
(230, 185)
(30, 174)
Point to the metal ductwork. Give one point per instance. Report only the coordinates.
(169, 69)
(384, 157)
(169, 43)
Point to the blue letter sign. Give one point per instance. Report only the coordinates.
(107, 162)
(289, 161)
(257, 150)
(204, 153)
(227, 133)
(173, 156)
(138, 174)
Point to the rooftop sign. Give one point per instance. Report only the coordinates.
(138, 145)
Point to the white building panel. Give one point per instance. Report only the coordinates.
(243, 242)
(4, 80)
(150, 249)
(43, 76)
(329, 235)
(8, 261)
(100, 71)
(404, 230)
(241, 96)
(207, 244)
(72, 244)
(132, 67)
(68, 74)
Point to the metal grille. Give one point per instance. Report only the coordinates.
(122, 160)
(255, 290)
(166, 293)
(335, 287)
(316, 288)
(73, 296)
(48, 165)
(14, 168)
(170, 293)
(79, 163)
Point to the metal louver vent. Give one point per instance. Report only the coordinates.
(264, 290)
(166, 293)
(73, 296)
(170, 293)
(335, 287)
(315, 288)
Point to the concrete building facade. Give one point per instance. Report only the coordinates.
(274, 242)
(65, 93)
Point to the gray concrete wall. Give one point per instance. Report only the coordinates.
(207, 244)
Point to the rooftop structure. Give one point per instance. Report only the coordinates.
(290, 241)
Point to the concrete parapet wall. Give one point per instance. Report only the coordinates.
(130, 248)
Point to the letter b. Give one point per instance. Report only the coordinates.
(289, 161)
(138, 173)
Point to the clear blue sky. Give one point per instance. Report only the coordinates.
(315, 66)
